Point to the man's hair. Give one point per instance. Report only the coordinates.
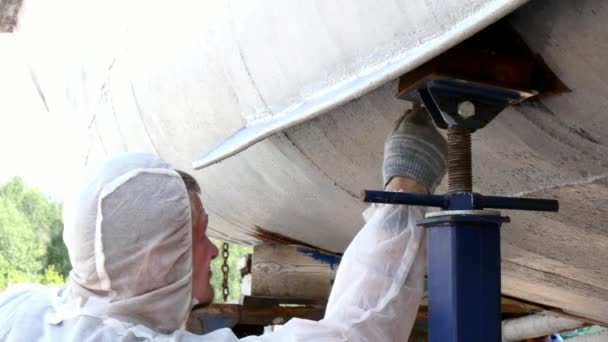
(191, 183)
(191, 186)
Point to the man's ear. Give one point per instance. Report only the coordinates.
(157, 269)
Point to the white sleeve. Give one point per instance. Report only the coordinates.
(378, 286)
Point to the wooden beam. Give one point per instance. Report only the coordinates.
(264, 311)
(292, 271)
(274, 302)
(217, 316)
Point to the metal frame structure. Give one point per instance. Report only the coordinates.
(464, 237)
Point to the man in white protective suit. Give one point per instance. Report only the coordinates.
(136, 234)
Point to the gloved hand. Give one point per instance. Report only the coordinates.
(415, 149)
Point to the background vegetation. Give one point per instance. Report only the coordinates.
(31, 246)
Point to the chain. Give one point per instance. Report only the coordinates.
(225, 270)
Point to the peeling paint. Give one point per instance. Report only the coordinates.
(326, 258)
(9, 14)
(266, 235)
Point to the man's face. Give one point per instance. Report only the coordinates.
(203, 252)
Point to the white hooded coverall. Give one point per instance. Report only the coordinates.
(129, 234)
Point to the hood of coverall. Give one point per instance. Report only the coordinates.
(128, 231)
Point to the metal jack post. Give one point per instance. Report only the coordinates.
(464, 237)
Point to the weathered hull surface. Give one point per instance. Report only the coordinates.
(176, 81)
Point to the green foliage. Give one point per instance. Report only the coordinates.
(43, 214)
(31, 248)
(234, 277)
(52, 277)
(21, 254)
(57, 255)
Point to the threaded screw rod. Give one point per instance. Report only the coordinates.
(460, 165)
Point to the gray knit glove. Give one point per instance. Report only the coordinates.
(415, 149)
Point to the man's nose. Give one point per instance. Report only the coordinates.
(215, 252)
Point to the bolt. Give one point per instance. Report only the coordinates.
(466, 109)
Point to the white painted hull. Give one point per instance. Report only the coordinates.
(178, 80)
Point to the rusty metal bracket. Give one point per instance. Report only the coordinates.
(467, 86)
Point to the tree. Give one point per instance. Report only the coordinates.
(57, 255)
(21, 253)
(31, 246)
(43, 214)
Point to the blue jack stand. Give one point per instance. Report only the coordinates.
(464, 237)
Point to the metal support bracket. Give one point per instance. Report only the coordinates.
(454, 102)
(463, 239)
